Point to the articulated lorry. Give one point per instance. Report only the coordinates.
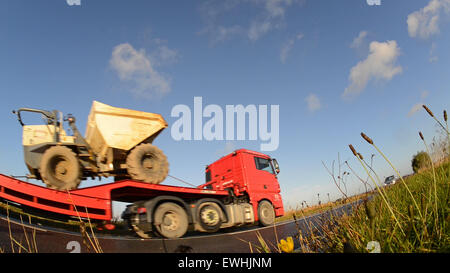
(241, 188)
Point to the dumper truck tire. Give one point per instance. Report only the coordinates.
(147, 163)
(60, 169)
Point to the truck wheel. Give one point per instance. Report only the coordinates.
(209, 217)
(266, 213)
(60, 169)
(147, 163)
(171, 220)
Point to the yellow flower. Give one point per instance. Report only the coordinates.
(287, 245)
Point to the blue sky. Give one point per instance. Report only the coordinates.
(335, 68)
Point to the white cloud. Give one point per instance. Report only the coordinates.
(313, 103)
(73, 2)
(160, 54)
(221, 33)
(433, 57)
(135, 68)
(287, 47)
(424, 94)
(424, 23)
(276, 8)
(259, 28)
(268, 15)
(163, 55)
(229, 148)
(358, 41)
(271, 18)
(211, 12)
(379, 64)
(416, 108)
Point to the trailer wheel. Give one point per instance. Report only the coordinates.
(171, 220)
(209, 217)
(147, 163)
(60, 169)
(266, 213)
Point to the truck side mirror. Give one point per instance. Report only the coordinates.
(275, 165)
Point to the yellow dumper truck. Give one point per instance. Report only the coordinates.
(118, 143)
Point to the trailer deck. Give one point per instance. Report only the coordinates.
(93, 202)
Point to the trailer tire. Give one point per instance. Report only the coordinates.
(170, 220)
(266, 213)
(209, 216)
(60, 169)
(147, 163)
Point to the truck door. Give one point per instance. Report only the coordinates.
(264, 177)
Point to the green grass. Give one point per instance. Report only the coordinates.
(427, 231)
(411, 216)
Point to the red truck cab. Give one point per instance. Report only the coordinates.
(241, 189)
(247, 175)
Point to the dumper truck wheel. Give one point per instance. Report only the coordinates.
(171, 220)
(266, 213)
(60, 169)
(147, 163)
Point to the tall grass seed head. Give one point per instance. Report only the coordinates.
(428, 110)
(445, 116)
(411, 212)
(353, 149)
(370, 211)
(368, 139)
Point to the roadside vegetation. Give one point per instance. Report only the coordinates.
(413, 215)
(26, 241)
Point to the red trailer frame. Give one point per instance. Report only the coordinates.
(93, 202)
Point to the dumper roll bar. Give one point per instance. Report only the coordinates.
(50, 115)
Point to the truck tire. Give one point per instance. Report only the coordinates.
(60, 169)
(266, 213)
(147, 163)
(209, 217)
(170, 220)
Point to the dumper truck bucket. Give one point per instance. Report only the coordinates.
(118, 128)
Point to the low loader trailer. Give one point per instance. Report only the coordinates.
(241, 188)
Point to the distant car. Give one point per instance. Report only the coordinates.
(390, 180)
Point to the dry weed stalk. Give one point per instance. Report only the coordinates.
(31, 247)
(377, 187)
(94, 244)
(370, 141)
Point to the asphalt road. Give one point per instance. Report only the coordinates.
(237, 240)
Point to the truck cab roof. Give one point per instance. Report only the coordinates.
(238, 152)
